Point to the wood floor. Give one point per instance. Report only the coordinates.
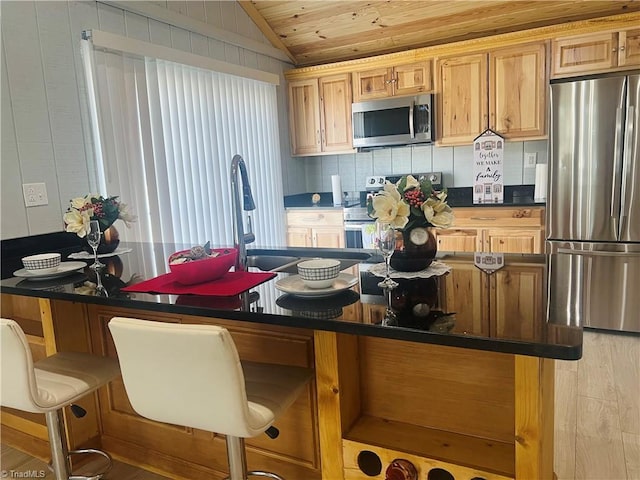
(597, 424)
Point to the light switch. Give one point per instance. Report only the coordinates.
(530, 160)
(35, 194)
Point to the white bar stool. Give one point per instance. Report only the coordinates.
(191, 375)
(48, 386)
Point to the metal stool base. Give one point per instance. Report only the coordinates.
(238, 462)
(60, 454)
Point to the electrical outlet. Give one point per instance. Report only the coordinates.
(35, 194)
(530, 160)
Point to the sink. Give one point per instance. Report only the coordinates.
(277, 263)
(272, 263)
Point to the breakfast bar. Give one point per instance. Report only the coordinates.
(462, 386)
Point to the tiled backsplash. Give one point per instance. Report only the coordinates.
(455, 163)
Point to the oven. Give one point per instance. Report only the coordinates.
(358, 228)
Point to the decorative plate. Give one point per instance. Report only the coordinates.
(65, 268)
(295, 286)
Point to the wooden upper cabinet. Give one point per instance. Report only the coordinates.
(462, 103)
(412, 78)
(304, 117)
(518, 91)
(596, 53)
(504, 90)
(320, 115)
(382, 82)
(629, 48)
(335, 113)
(375, 83)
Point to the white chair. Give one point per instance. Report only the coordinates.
(191, 375)
(48, 386)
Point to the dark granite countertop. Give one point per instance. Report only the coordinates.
(343, 312)
(514, 196)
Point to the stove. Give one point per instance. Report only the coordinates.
(358, 224)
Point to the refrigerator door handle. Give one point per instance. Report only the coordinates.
(597, 253)
(626, 165)
(617, 167)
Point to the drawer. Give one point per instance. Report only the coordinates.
(312, 218)
(499, 217)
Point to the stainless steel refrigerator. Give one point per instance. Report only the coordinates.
(593, 203)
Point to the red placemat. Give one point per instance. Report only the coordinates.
(232, 283)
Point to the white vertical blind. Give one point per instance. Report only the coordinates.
(169, 132)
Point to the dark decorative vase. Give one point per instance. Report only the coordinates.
(109, 241)
(415, 249)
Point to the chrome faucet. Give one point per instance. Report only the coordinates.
(240, 238)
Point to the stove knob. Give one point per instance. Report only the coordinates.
(433, 177)
(372, 181)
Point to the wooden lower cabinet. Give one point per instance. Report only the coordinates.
(513, 311)
(494, 229)
(459, 240)
(315, 228)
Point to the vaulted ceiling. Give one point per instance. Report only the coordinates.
(313, 32)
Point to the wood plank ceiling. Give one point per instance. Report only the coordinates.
(314, 32)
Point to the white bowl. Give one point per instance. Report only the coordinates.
(42, 263)
(319, 272)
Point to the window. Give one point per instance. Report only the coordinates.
(165, 134)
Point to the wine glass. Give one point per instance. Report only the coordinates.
(93, 238)
(385, 238)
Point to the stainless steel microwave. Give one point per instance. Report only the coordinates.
(393, 121)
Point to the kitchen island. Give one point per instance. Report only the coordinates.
(471, 395)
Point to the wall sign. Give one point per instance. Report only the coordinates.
(488, 155)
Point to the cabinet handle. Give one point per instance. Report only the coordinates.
(614, 49)
(483, 218)
(622, 48)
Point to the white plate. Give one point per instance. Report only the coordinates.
(65, 268)
(295, 286)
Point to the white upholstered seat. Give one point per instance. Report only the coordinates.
(191, 375)
(49, 384)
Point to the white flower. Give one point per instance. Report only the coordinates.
(411, 183)
(388, 207)
(126, 216)
(80, 202)
(77, 222)
(437, 213)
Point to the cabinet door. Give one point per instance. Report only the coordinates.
(335, 109)
(298, 237)
(304, 117)
(584, 54)
(328, 237)
(512, 240)
(464, 294)
(629, 48)
(516, 308)
(459, 240)
(374, 83)
(412, 78)
(518, 91)
(463, 98)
